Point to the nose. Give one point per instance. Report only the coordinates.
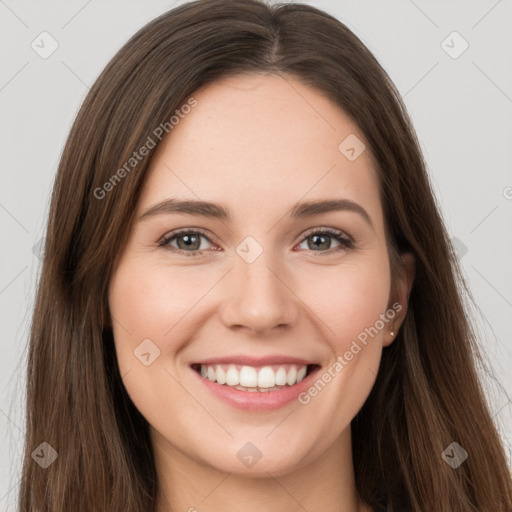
(258, 298)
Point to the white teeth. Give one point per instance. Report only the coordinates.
(291, 377)
(248, 378)
(266, 377)
(221, 375)
(232, 376)
(301, 374)
(281, 377)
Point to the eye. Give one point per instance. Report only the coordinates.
(322, 238)
(189, 242)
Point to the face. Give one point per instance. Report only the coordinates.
(287, 273)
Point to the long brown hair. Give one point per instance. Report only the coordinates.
(427, 394)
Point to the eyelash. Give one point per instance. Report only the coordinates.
(345, 243)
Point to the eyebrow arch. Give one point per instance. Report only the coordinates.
(216, 211)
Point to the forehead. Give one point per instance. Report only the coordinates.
(265, 141)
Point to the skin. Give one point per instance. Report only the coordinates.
(255, 144)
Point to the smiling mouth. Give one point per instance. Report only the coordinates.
(255, 379)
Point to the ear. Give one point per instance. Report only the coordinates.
(399, 296)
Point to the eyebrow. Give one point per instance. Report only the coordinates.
(216, 211)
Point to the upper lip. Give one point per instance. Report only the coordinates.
(255, 361)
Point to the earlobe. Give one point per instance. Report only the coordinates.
(402, 288)
(389, 337)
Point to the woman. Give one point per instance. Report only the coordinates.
(248, 298)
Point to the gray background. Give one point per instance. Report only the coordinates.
(461, 108)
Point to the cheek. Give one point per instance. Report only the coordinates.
(146, 307)
(148, 302)
(349, 304)
(350, 298)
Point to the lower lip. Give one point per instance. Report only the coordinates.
(258, 400)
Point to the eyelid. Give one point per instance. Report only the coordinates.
(329, 230)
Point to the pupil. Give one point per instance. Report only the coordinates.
(189, 244)
(325, 245)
